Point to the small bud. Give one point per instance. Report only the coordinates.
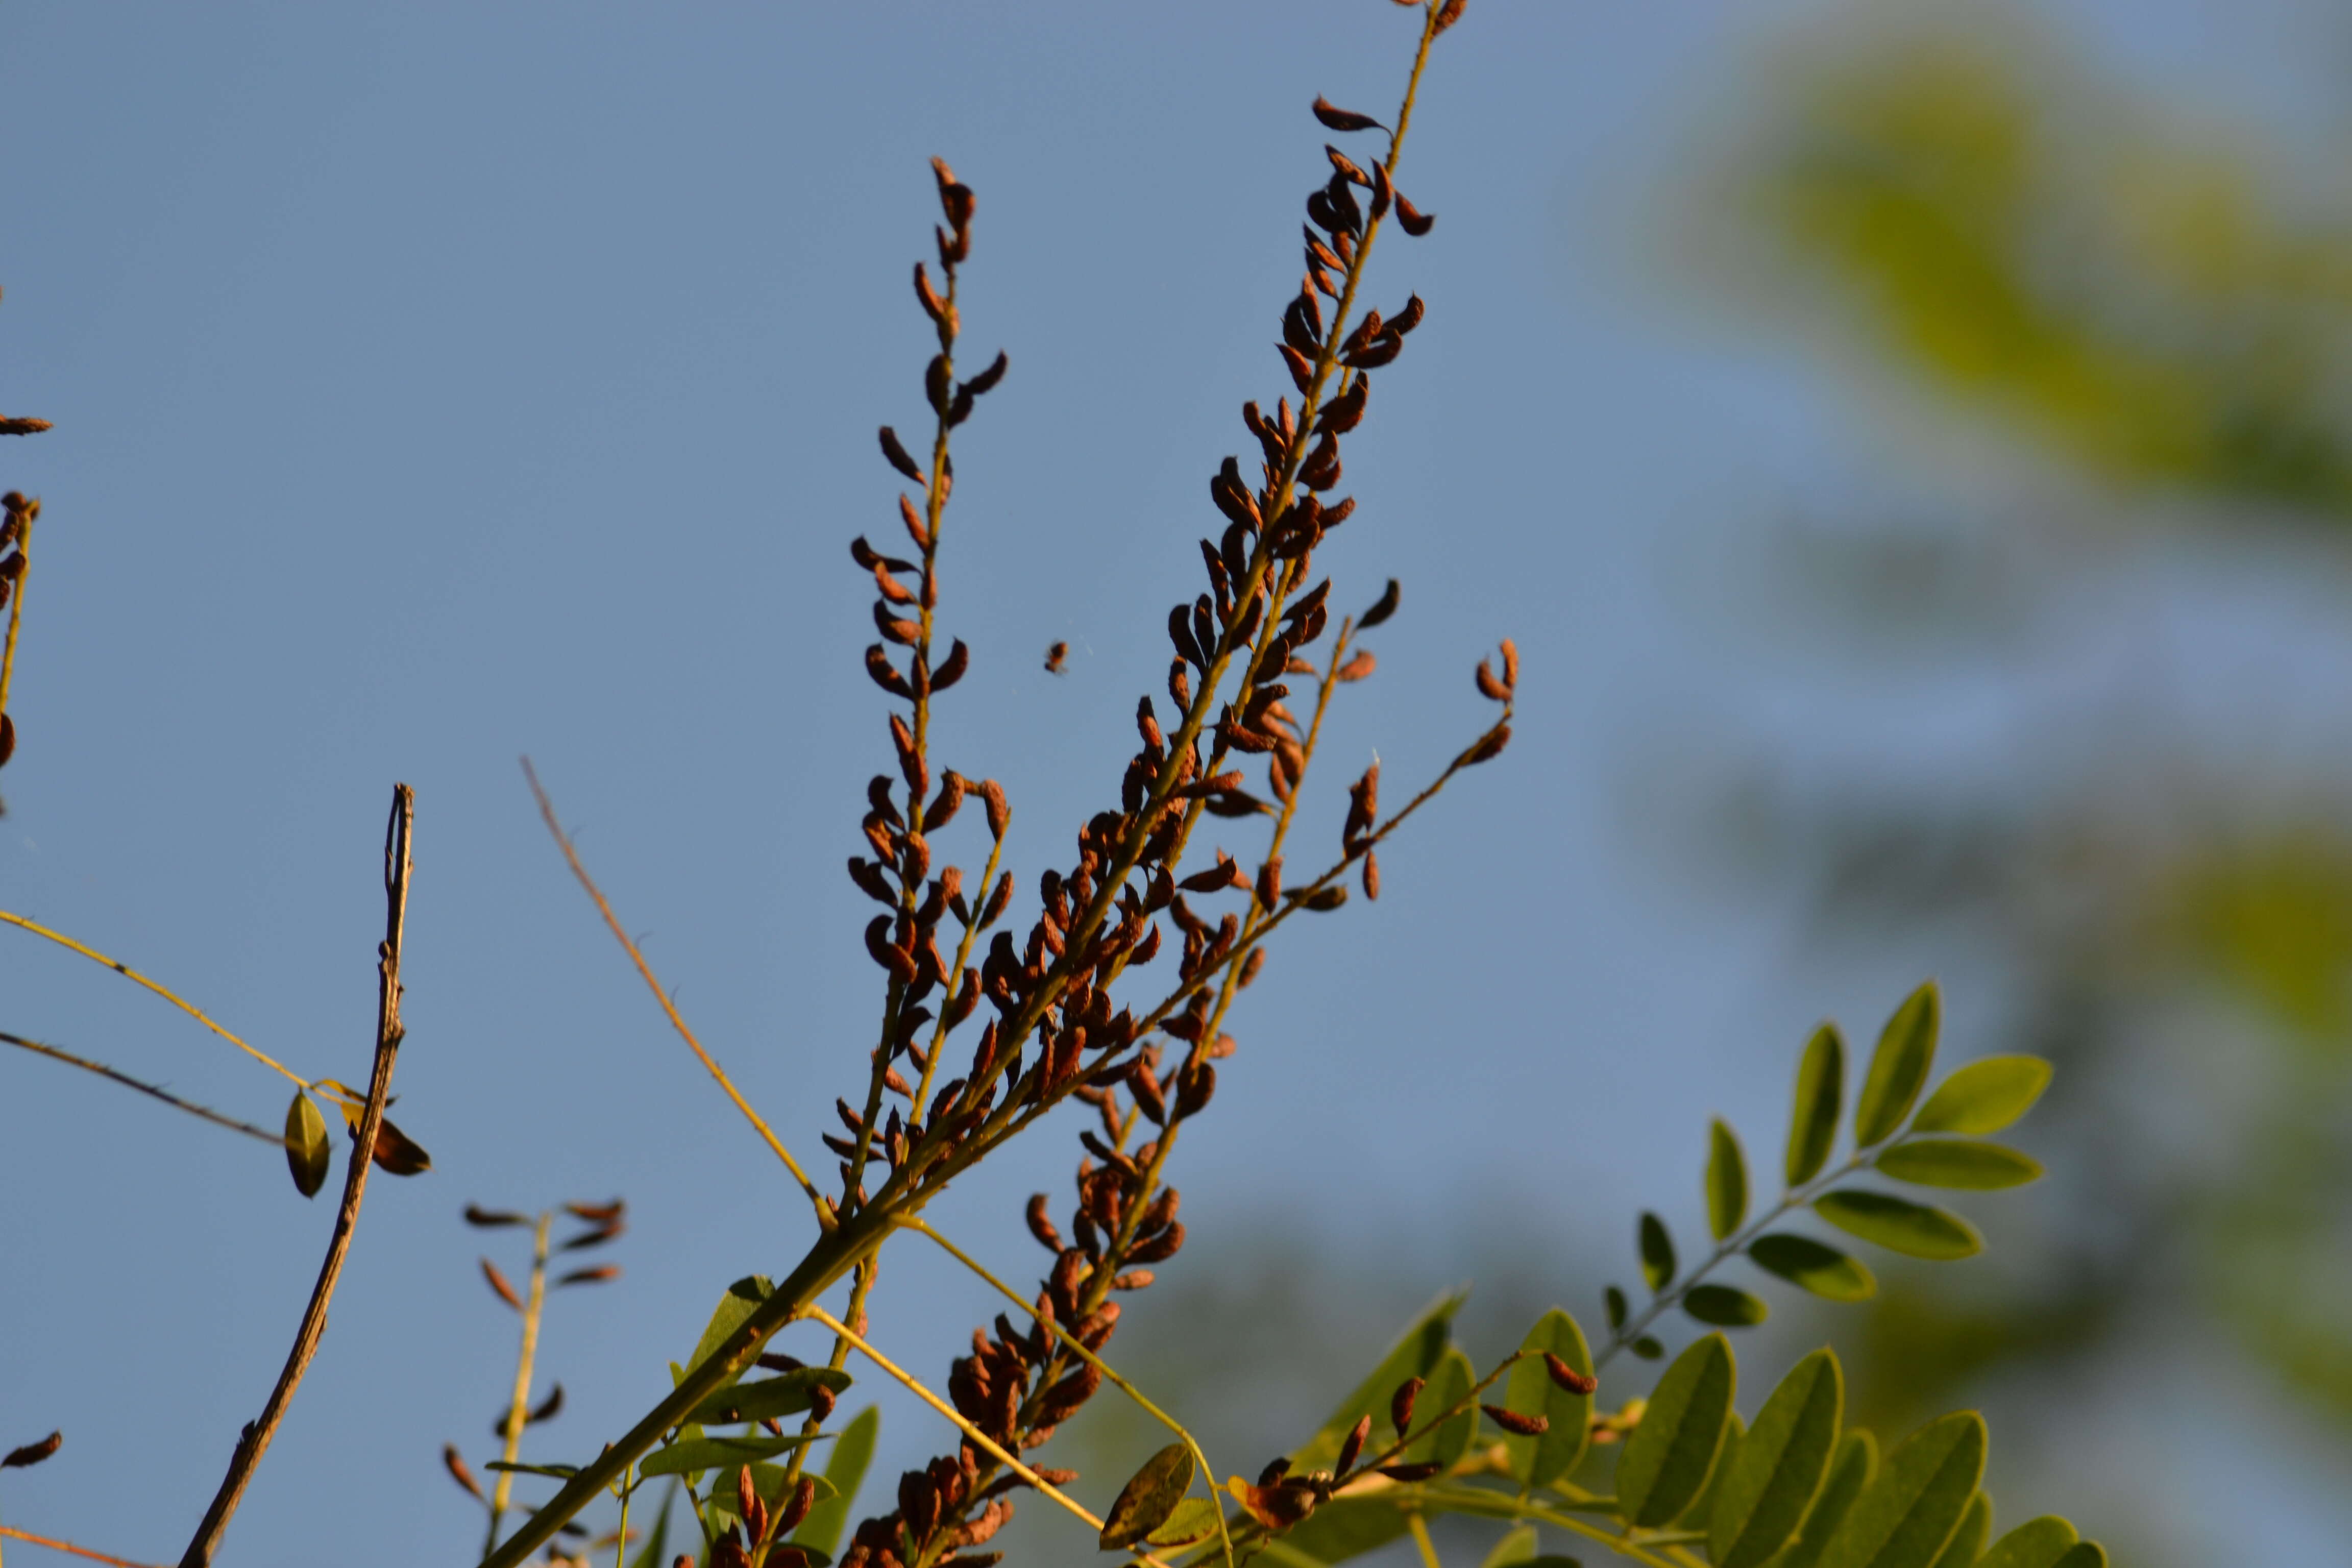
(1512, 1421)
(1567, 1377)
(455, 1463)
(1401, 1403)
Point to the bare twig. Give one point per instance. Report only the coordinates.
(14, 1534)
(124, 1078)
(255, 1440)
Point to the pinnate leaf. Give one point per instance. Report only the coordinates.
(1772, 1480)
(1667, 1460)
(1985, 1096)
(1810, 1266)
(1908, 1513)
(1821, 1096)
(1913, 1229)
(1727, 1180)
(1958, 1162)
(1898, 1068)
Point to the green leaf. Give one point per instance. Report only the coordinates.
(1702, 1507)
(1725, 1307)
(1780, 1468)
(1918, 1500)
(1961, 1552)
(2036, 1543)
(1727, 1180)
(655, 1553)
(787, 1393)
(1985, 1096)
(2083, 1555)
(1449, 1384)
(1667, 1460)
(1810, 1266)
(1194, 1519)
(1613, 1301)
(1958, 1162)
(713, 1453)
(1821, 1094)
(742, 1299)
(1340, 1530)
(1150, 1496)
(1913, 1229)
(1850, 1473)
(1647, 1347)
(561, 1472)
(1657, 1253)
(1416, 1355)
(1898, 1068)
(308, 1151)
(1538, 1461)
(844, 1472)
(1517, 1546)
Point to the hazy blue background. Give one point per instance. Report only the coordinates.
(438, 384)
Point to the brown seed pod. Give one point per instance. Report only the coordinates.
(997, 899)
(1269, 881)
(804, 1498)
(1401, 1403)
(951, 671)
(983, 383)
(1353, 1448)
(748, 1503)
(1567, 1377)
(1383, 192)
(1489, 746)
(1371, 874)
(820, 1402)
(595, 1275)
(1000, 813)
(933, 306)
(1408, 1474)
(1489, 687)
(32, 1454)
(476, 1215)
(455, 1463)
(943, 807)
(1337, 119)
(1447, 14)
(1511, 665)
(1416, 222)
(1133, 1280)
(1410, 317)
(1041, 1225)
(1361, 665)
(1512, 1421)
(1158, 1249)
(897, 453)
(1302, 372)
(1055, 656)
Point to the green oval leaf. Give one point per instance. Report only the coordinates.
(2083, 1555)
(1449, 1385)
(1517, 1546)
(1727, 1180)
(1958, 1162)
(1668, 1461)
(1725, 1307)
(307, 1151)
(1961, 1552)
(1780, 1468)
(1820, 1095)
(1416, 1355)
(1984, 1096)
(845, 1472)
(1613, 1301)
(1850, 1473)
(1810, 1266)
(786, 1393)
(742, 1299)
(1918, 1500)
(717, 1453)
(1913, 1229)
(1194, 1519)
(1540, 1460)
(1657, 1253)
(1898, 1068)
(1702, 1508)
(1150, 1496)
(2036, 1543)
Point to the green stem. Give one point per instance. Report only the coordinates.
(518, 1406)
(1421, 1541)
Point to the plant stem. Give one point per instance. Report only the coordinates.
(519, 1402)
(254, 1441)
(16, 600)
(166, 1096)
(132, 975)
(1421, 1541)
(15, 1534)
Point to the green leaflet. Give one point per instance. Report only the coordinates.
(712, 1453)
(1538, 1461)
(1958, 1162)
(1820, 1095)
(560, 1472)
(1416, 1355)
(1657, 1253)
(1150, 1496)
(2083, 1555)
(1985, 1096)
(1913, 1229)
(1517, 1546)
(1668, 1461)
(1702, 1508)
(1898, 1068)
(1810, 1266)
(851, 1452)
(1855, 1467)
(1449, 1384)
(1961, 1552)
(1345, 1527)
(786, 1393)
(1918, 1500)
(1725, 1307)
(655, 1553)
(2036, 1543)
(308, 1151)
(1195, 1520)
(1780, 1468)
(1612, 1301)
(1727, 1180)
(742, 1299)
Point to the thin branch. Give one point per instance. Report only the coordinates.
(975, 1433)
(14, 1534)
(518, 1407)
(124, 1078)
(653, 983)
(131, 975)
(254, 1441)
